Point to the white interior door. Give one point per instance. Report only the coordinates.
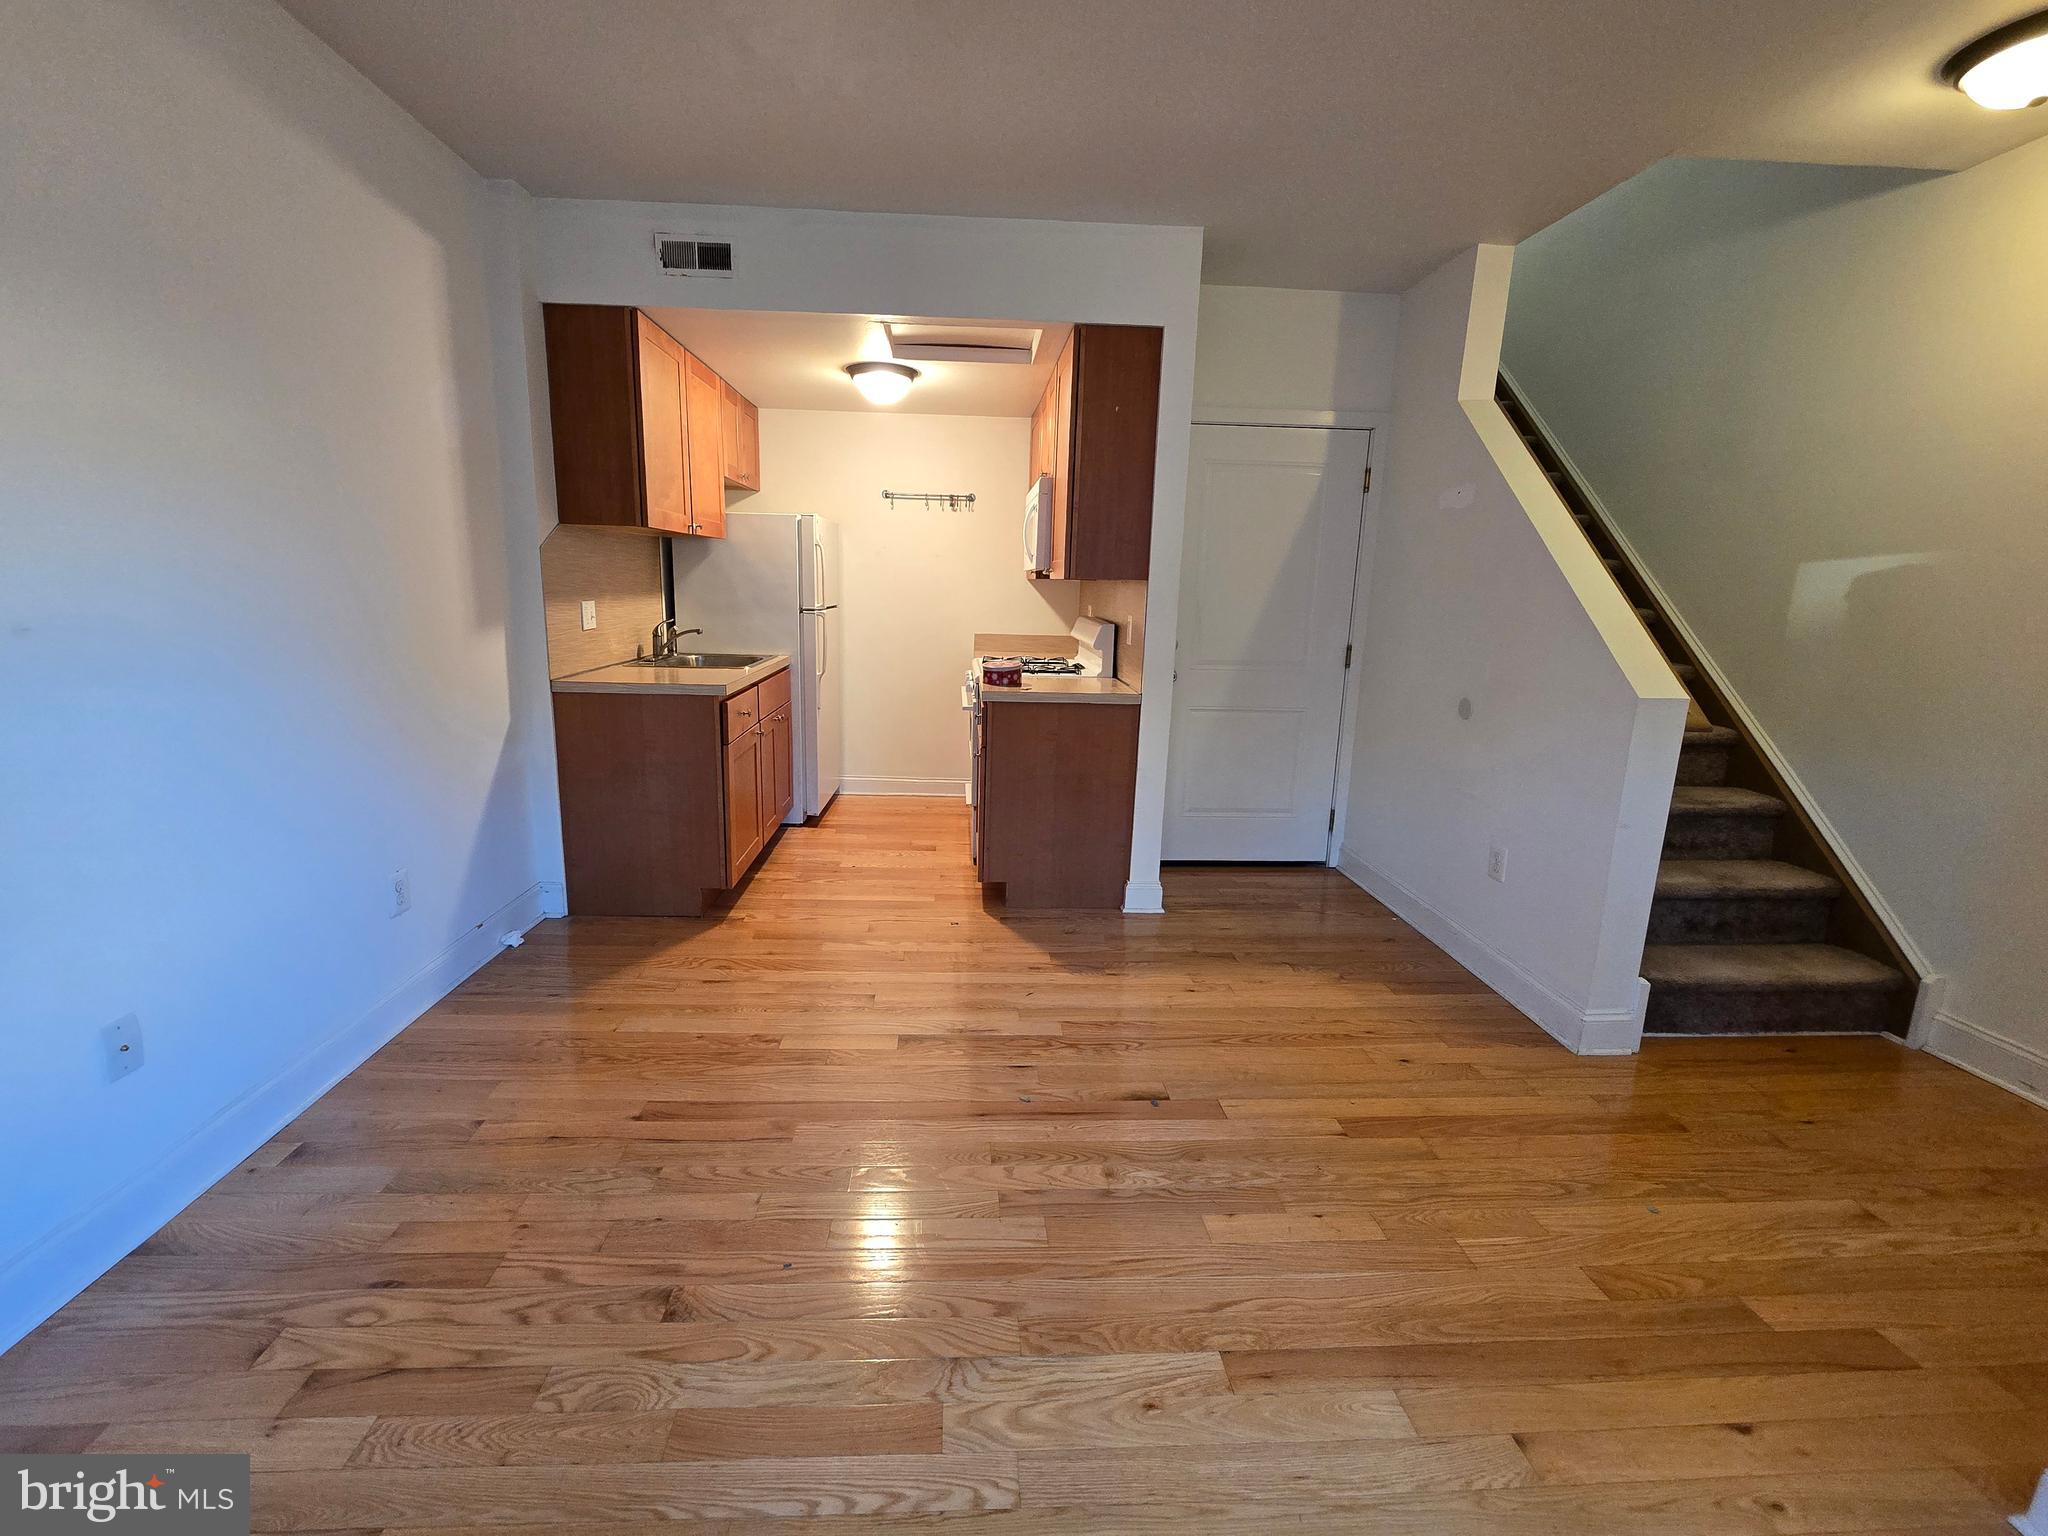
(1274, 517)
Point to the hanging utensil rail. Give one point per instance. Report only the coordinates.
(954, 500)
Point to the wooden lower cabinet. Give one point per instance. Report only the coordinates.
(1055, 786)
(745, 826)
(778, 769)
(668, 799)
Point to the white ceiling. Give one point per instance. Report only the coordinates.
(1323, 143)
(796, 362)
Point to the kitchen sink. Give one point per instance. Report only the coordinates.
(719, 660)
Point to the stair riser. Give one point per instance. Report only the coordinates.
(1703, 764)
(1793, 1011)
(1739, 919)
(1739, 835)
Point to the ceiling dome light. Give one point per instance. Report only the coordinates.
(2006, 69)
(882, 383)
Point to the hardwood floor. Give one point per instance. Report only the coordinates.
(862, 1201)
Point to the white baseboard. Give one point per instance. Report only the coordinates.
(1585, 1031)
(2011, 1064)
(63, 1263)
(951, 788)
(554, 898)
(1144, 896)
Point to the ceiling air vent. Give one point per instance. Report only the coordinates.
(689, 256)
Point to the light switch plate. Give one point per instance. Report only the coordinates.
(590, 613)
(123, 1042)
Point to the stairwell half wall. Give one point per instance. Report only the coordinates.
(1509, 701)
(1811, 397)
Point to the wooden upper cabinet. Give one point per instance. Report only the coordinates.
(729, 432)
(1098, 441)
(646, 436)
(1062, 456)
(703, 393)
(750, 445)
(1042, 436)
(740, 432)
(615, 404)
(664, 463)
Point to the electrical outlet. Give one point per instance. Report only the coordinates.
(123, 1042)
(1497, 864)
(401, 892)
(590, 613)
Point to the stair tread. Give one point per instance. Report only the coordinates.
(1760, 967)
(1711, 736)
(1723, 800)
(1742, 877)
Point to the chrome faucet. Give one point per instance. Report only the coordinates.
(663, 641)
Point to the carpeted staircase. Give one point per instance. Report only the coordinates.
(1754, 929)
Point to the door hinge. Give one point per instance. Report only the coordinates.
(1368, 478)
(1347, 658)
(1333, 818)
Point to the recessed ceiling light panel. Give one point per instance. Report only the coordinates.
(956, 342)
(2007, 69)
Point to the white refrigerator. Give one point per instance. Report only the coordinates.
(772, 584)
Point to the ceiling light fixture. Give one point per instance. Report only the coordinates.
(2006, 69)
(882, 383)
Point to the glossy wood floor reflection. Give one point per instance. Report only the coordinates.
(864, 1205)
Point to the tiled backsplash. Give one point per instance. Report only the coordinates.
(622, 571)
(1123, 604)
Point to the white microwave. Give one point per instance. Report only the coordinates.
(1038, 526)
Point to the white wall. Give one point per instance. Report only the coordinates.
(1295, 356)
(917, 582)
(253, 602)
(1507, 696)
(1812, 398)
(890, 264)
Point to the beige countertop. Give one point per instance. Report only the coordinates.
(631, 677)
(1043, 688)
(1071, 690)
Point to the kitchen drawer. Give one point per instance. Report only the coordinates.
(774, 692)
(742, 713)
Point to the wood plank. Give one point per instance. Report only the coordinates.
(812, 1488)
(1523, 1407)
(1789, 1446)
(1649, 1356)
(1336, 1476)
(513, 1439)
(1156, 1418)
(421, 1346)
(870, 1429)
(273, 1445)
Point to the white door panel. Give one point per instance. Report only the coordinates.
(1274, 518)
